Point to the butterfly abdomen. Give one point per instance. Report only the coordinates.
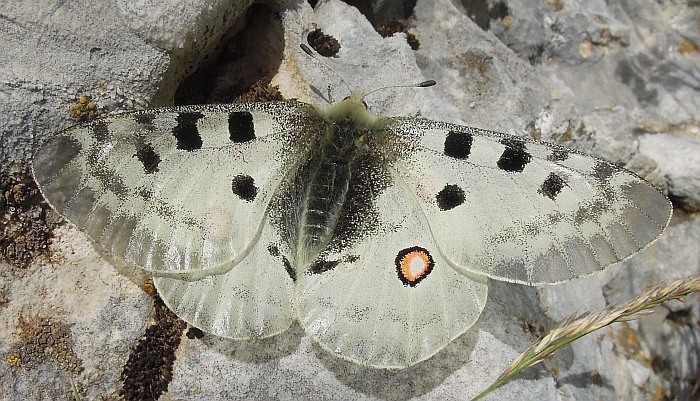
(326, 192)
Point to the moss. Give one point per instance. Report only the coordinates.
(261, 91)
(397, 26)
(45, 339)
(325, 45)
(27, 221)
(149, 369)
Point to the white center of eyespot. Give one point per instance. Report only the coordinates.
(417, 263)
(413, 265)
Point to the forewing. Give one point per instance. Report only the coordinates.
(180, 191)
(252, 300)
(523, 211)
(377, 303)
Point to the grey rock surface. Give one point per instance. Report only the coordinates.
(592, 75)
(679, 159)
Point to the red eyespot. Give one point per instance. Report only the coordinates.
(413, 265)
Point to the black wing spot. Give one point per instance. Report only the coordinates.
(290, 270)
(458, 144)
(275, 252)
(603, 170)
(558, 155)
(100, 132)
(590, 211)
(514, 157)
(148, 157)
(244, 187)
(146, 120)
(240, 127)
(450, 197)
(552, 185)
(322, 266)
(194, 332)
(413, 265)
(186, 132)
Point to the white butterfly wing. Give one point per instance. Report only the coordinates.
(377, 304)
(171, 190)
(252, 300)
(524, 211)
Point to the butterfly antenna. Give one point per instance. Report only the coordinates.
(311, 53)
(424, 84)
(307, 50)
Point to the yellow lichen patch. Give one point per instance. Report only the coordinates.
(536, 134)
(507, 21)
(556, 5)
(582, 132)
(568, 135)
(149, 288)
(84, 109)
(660, 394)
(472, 60)
(688, 47)
(571, 133)
(535, 330)
(585, 48)
(627, 341)
(14, 360)
(47, 338)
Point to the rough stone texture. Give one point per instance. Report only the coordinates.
(124, 55)
(659, 352)
(678, 158)
(632, 71)
(595, 75)
(103, 312)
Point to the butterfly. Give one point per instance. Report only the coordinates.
(377, 234)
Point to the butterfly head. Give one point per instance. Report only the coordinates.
(352, 108)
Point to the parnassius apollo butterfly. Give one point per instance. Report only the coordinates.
(376, 234)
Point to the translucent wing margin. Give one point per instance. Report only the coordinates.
(182, 191)
(523, 211)
(251, 301)
(362, 308)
